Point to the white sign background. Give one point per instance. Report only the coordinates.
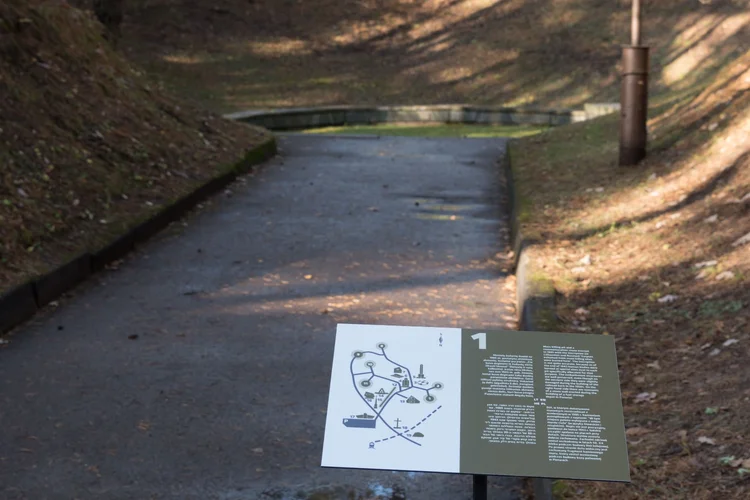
(439, 421)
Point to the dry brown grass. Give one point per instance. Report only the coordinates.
(645, 230)
(231, 54)
(88, 145)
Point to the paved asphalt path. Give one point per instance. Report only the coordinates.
(223, 393)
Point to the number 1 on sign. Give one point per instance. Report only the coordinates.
(482, 338)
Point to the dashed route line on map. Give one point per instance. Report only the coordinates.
(412, 427)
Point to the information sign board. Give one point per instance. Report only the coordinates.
(475, 402)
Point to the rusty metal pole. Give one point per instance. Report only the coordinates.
(634, 95)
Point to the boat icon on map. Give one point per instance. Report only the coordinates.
(362, 421)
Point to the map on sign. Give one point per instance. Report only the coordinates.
(395, 399)
(477, 402)
(391, 390)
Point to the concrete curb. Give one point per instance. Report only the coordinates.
(535, 293)
(337, 116)
(21, 303)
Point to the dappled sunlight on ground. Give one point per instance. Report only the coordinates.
(701, 44)
(540, 53)
(658, 256)
(686, 176)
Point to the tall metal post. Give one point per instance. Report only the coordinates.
(634, 94)
(480, 487)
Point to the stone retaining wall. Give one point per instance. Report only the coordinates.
(339, 116)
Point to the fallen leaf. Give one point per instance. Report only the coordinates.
(645, 397)
(715, 352)
(667, 299)
(706, 440)
(582, 312)
(586, 260)
(711, 219)
(706, 263)
(655, 365)
(711, 410)
(703, 274)
(742, 241)
(308, 276)
(729, 342)
(636, 431)
(726, 275)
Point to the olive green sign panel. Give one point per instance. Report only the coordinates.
(541, 405)
(475, 402)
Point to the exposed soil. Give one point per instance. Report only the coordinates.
(89, 145)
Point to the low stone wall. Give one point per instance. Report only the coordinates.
(340, 116)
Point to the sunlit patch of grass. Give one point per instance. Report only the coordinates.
(421, 130)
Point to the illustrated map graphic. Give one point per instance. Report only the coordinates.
(399, 399)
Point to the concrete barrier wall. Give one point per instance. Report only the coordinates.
(340, 116)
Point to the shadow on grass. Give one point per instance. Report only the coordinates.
(388, 52)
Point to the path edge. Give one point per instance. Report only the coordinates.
(535, 292)
(22, 302)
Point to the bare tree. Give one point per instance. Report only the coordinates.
(110, 14)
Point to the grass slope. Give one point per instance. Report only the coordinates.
(653, 255)
(234, 54)
(88, 145)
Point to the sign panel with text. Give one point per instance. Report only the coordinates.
(475, 402)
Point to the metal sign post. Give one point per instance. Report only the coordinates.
(480, 487)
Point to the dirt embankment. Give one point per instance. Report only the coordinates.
(89, 145)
